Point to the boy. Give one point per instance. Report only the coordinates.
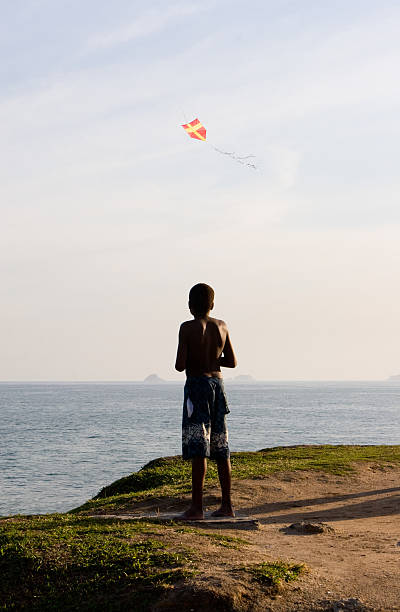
(204, 346)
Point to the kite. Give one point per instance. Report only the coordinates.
(195, 129)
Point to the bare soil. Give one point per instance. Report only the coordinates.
(359, 560)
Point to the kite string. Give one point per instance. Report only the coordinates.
(238, 158)
(232, 154)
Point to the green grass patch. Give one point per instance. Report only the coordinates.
(275, 573)
(171, 476)
(65, 562)
(153, 476)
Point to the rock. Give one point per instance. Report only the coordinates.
(308, 528)
(153, 379)
(243, 379)
(350, 605)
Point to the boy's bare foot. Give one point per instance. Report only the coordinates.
(224, 511)
(192, 514)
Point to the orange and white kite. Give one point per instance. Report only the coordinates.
(195, 129)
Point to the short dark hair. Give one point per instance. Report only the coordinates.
(201, 299)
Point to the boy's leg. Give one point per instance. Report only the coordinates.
(224, 474)
(199, 468)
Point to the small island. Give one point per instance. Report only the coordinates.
(153, 379)
(243, 379)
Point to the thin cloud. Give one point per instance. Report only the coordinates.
(145, 25)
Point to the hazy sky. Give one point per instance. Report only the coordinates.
(109, 213)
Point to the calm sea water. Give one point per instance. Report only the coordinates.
(61, 443)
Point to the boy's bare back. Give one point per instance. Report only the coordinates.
(204, 346)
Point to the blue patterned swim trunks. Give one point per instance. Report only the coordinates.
(204, 432)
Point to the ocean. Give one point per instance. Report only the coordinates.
(60, 443)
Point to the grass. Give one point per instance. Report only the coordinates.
(64, 562)
(70, 562)
(170, 476)
(275, 573)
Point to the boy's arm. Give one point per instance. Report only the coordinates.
(180, 363)
(228, 357)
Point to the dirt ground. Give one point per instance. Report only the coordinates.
(359, 560)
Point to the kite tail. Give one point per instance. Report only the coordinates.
(240, 159)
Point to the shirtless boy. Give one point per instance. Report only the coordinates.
(204, 346)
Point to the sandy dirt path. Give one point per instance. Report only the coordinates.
(358, 560)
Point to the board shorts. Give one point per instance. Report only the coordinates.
(204, 431)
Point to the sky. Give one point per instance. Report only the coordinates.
(109, 213)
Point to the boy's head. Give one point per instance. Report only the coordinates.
(201, 299)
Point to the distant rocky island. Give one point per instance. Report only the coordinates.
(242, 379)
(153, 379)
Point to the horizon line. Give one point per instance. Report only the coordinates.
(175, 380)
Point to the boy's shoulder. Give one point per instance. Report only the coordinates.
(193, 323)
(218, 322)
